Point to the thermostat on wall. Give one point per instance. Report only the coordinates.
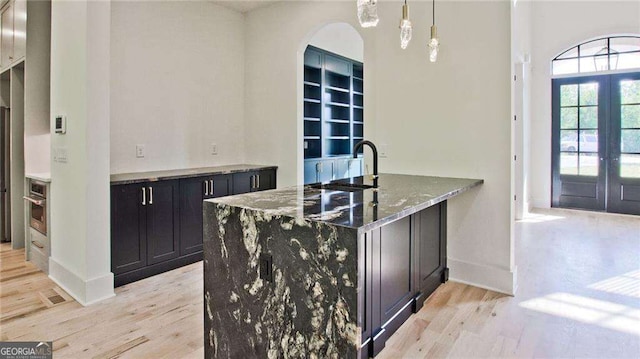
(61, 124)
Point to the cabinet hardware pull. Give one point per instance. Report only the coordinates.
(206, 188)
(258, 186)
(211, 186)
(37, 244)
(253, 181)
(150, 195)
(37, 202)
(144, 196)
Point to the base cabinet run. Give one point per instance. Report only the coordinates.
(401, 263)
(157, 226)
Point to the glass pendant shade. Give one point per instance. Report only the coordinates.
(368, 13)
(405, 27)
(606, 59)
(434, 44)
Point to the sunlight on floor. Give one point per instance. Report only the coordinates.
(626, 284)
(538, 218)
(588, 310)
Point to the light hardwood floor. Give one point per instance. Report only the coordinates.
(578, 296)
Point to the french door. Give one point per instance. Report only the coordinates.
(596, 143)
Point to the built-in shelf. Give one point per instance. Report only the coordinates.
(337, 137)
(336, 124)
(337, 104)
(340, 89)
(337, 121)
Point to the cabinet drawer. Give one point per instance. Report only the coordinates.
(39, 258)
(40, 241)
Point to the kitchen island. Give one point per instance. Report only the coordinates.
(322, 271)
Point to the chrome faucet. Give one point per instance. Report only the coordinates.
(357, 147)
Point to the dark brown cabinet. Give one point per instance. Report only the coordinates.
(403, 263)
(128, 229)
(192, 192)
(253, 181)
(157, 226)
(144, 224)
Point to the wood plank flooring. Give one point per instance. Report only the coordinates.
(579, 296)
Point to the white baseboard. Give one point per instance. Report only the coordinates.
(540, 203)
(85, 292)
(483, 276)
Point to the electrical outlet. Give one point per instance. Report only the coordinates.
(140, 151)
(214, 149)
(384, 150)
(266, 267)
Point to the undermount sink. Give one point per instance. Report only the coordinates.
(341, 186)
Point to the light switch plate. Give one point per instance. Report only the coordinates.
(214, 149)
(140, 153)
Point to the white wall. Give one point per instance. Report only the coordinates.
(37, 142)
(177, 85)
(341, 39)
(451, 118)
(80, 259)
(558, 25)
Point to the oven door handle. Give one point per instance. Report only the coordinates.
(37, 202)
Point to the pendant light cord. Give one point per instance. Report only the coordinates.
(434, 11)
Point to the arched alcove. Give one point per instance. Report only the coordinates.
(331, 98)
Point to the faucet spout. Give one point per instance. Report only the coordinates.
(357, 147)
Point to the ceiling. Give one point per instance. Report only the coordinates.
(243, 5)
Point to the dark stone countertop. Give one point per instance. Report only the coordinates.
(397, 196)
(138, 177)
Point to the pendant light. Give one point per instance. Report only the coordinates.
(405, 27)
(368, 13)
(434, 44)
(606, 59)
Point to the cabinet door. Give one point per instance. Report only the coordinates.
(266, 180)
(162, 221)
(128, 230)
(325, 170)
(396, 287)
(310, 172)
(392, 288)
(355, 167)
(342, 168)
(430, 250)
(192, 193)
(20, 28)
(243, 182)
(6, 39)
(219, 186)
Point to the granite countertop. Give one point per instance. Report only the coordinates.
(44, 177)
(137, 177)
(397, 196)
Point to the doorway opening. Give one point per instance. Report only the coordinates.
(596, 126)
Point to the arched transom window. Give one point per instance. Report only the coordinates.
(604, 54)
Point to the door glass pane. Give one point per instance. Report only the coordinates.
(630, 92)
(588, 94)
(630, 141)
(569, 118)
(588, 164)
(589, 117)
(630, 116)
(569, 140)
(630, 166)
(588, 141)
(568, 163)
(568, 95)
